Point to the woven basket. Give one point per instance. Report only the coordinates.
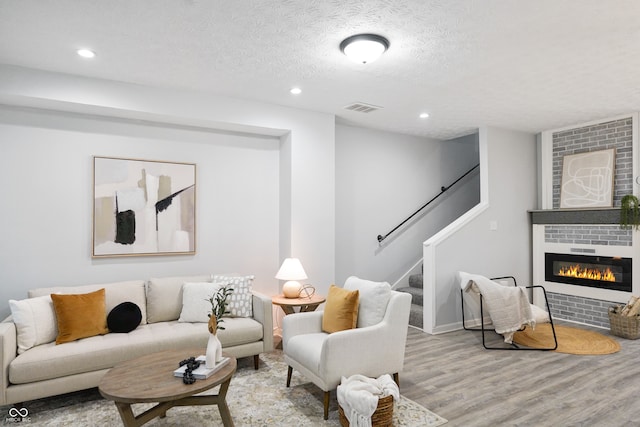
(382, 417)
(624, 326)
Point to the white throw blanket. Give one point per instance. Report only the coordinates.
(358, 396)
(508, 306)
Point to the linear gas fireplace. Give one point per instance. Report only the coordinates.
(586, 270)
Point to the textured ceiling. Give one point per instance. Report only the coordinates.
(516, 64)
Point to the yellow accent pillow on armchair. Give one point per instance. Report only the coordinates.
(80, 315)
(340, 310)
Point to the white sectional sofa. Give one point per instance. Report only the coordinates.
(48, 369)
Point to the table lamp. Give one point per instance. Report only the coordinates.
(291, 271)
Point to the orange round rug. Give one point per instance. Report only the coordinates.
(570, 340)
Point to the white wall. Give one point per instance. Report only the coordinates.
(508, 179)
(46, 167)
(381, 178)
(286, 199)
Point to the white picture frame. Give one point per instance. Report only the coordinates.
(587, 179)
(143, 207)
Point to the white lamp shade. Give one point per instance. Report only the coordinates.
(291, 269)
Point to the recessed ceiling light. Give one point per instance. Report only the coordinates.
(424, 115)
(86, 53)
(364, 48)
(296, 91)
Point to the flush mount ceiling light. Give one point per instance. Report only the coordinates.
(364, 48)
(86, 53)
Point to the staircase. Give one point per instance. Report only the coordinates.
(415, 289)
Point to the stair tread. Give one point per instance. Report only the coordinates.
(411, 290)
(417, 294)
(415, 280)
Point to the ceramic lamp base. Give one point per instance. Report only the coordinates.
(291, 289)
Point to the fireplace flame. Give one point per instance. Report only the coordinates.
(587, 273)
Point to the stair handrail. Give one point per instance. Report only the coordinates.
(443, 189)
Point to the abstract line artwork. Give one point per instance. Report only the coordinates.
(143, 207)
(587, 179)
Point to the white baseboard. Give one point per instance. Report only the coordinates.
(557, 319)
(456, 326)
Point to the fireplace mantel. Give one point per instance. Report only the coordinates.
(576, 216)
(570, 231)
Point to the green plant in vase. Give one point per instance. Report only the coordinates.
(219, 302)
(629, 212)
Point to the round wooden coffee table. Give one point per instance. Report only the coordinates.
(150, 379)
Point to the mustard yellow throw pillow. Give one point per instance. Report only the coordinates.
(340, 310)
(80, 315)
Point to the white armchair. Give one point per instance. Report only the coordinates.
(371, 350)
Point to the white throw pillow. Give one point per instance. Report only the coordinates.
(241, 300)
(374, 297)
(540, 315)
(196, 306)
(164, 296)
(35, 320)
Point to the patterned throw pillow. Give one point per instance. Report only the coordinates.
(241, 300)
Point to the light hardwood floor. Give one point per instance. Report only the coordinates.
(455, 377)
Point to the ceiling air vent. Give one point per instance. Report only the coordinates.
(361, 107)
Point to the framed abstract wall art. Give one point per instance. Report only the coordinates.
(587, 179)
(143, 207)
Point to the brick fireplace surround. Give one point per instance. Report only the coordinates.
(592, 232)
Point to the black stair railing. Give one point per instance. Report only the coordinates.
(443, 189)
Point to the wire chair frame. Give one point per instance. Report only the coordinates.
(513, 346)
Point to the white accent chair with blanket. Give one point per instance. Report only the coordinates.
(372, 343)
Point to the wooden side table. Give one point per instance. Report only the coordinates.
(305, 303)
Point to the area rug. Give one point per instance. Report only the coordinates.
(570, 340)
(255, 398)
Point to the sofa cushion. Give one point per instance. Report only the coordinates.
(80, 315)
(239, 330)
(374, 298)
(124, 317)
(115, 293)
(340, 310)
(164, 296)
(196, 305)
(241, 300)
(35, 321)
(49, 361)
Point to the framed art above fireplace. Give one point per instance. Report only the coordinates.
(587, 179)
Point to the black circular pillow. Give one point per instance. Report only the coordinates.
(124, 317)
